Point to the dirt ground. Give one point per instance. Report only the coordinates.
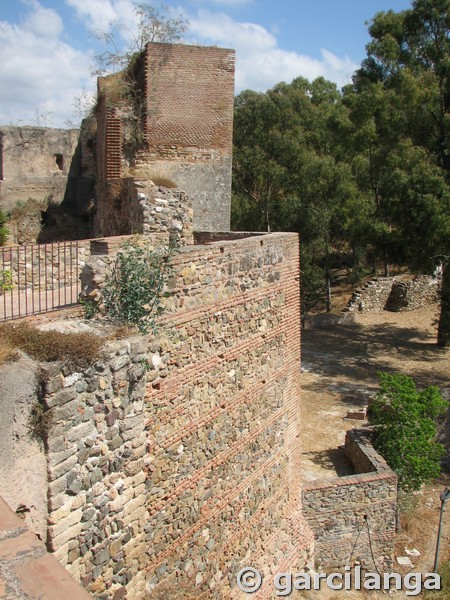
(340, 361)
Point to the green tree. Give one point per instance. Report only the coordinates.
(405, 433)
(400, 103)
(289, 175)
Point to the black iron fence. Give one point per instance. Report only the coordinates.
(38, 278)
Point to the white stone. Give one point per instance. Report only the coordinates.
(71, 379)
(156, 360)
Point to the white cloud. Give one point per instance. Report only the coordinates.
(101, 15)
(39, 73)
(43, 22)
(226, 2)
(260, 64)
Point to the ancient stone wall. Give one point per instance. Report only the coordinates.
(395, 294)
(174, 460)
(411, 295)
(354, 515)
(38, 163)
(180, 131)
(189, 126)
(130, 206)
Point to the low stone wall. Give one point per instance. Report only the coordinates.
(395, 294)
(354, 515)
(411, 295)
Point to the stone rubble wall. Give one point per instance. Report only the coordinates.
(96, 479)
(395, 294)
(43, 266)
(175, 460)
(128, 206)
(411, 295)
(349, 514)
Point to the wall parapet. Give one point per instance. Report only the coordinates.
(354, 515)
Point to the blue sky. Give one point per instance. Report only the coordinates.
(46, 50)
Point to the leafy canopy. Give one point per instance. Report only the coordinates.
(405, 428)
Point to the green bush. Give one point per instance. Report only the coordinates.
(133, 291)
(6, 281)
(4, 231)
(405, 428)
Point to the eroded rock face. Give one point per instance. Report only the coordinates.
(37, 163)
(23, 464)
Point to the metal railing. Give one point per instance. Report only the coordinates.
(38, 278)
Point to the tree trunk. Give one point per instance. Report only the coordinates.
(386, 265)
(328, 301)
(443, 336)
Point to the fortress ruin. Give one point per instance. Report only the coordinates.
(174, 460)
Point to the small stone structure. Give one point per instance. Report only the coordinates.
(395, 294)
(142, 207)
(354, 515)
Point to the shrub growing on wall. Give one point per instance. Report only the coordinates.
(406, 430)
(133, 291)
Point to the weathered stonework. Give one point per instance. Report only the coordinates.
(141, 207)
(183, 131)
(349, 514)
(173, 461)
(39, 162)
(394, 294)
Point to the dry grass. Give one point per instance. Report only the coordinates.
(74, 349)
(123, 331)
(163, 181)
(8, 353)
(444, 593)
